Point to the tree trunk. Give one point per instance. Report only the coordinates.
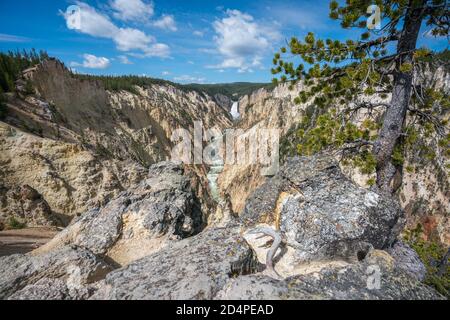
(394, 117)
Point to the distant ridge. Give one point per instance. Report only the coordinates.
(233, 91)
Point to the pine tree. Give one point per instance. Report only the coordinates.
(367, 75)
(13, 63)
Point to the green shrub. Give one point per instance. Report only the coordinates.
(433, 255)
(15, 224)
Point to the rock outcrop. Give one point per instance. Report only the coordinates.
(142, 220)
(322, 214)
(150, 243)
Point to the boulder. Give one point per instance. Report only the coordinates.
(372, 279)
(194, 268)
(66, 272)
(322, 214)
(140, 221)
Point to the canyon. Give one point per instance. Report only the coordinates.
(94, 167)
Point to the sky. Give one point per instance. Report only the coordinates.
(185, 41)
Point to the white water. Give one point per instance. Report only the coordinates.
(217, 166)
(212, 176)
(235, 110)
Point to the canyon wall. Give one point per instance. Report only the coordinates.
(79, 145)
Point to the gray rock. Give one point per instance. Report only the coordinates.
(194, 268)
(161, 205)
(322, 214)
(43, 289)
(21, 275)
(263, 201)
(408, 260)
(354, 282)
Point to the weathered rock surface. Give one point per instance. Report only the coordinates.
(140, 221)
(195, 268)
(353, 282)
(408, 260)
(70, 178)
(322, 214)
(63, 273)
(26, 205)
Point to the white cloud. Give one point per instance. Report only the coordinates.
(132, 10)
(189, 79)
(124, 60)
(198, 33)
(92, 62)
(166, 22)
(99, 25)
(165, 73)
(241, 41)
(12, 38)
(157, 50)
(132, 39)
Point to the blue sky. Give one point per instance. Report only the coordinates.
(203, 41)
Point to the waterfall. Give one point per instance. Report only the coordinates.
(235, 110)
